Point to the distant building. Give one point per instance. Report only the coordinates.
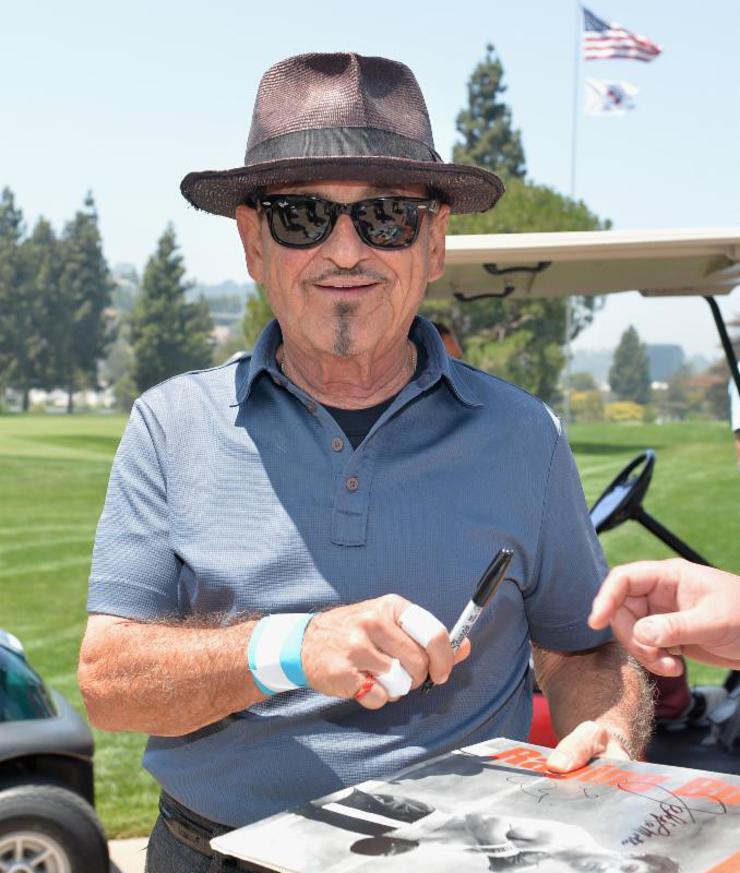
(665, 360)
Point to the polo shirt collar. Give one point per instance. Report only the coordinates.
(438, 364)
(262, 360)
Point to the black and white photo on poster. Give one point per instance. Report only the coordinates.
(494, 807)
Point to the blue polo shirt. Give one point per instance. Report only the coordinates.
(234, 493)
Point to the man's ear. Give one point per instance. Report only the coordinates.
(248, 223)
(437, 232)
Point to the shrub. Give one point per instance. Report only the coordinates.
(623, 410)
(583, 381)
(587, 405)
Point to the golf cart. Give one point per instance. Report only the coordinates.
(47, 820)
(671, 263)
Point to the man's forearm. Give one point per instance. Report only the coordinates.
(603, 685)
(165, 680)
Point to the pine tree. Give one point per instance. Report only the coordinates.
(489, 140)
(14, 303)
(44, 264)
(518, 339)
(629, 375)
(168, 335)
(86, 289)
(34, 317)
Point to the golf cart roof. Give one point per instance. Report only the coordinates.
(699, 262)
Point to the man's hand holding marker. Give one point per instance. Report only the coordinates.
(375, 651)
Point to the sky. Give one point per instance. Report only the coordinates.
(125, 99)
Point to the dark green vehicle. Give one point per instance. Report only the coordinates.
(47, 820)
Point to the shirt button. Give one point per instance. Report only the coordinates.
(337, 444)
(352, 483)
(311, 407)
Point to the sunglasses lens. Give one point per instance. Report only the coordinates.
(382, 222)
(300, 221)
(387, 222)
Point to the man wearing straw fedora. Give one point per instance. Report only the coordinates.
(287, 538)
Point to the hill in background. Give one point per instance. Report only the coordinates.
(665, 361)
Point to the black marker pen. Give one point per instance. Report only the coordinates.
(484, 591)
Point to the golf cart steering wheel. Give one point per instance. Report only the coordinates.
(622, 500)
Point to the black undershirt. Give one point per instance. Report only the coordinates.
(357, 423)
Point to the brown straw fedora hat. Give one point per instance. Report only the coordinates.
(340, 117)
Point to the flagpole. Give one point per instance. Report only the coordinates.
(576, 77)
(573, 154)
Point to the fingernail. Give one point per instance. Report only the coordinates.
(672, 666)
(648, 630)
(559, 761)
(443, 679)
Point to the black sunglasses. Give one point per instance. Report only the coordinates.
(300, 221)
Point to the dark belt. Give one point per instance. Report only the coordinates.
(197, 832)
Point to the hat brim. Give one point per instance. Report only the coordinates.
(464, 188)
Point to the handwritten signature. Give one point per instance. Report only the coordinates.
(672, 812)
(542, 792)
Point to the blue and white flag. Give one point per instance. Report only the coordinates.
(609, 98)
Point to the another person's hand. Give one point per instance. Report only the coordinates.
(588, 740)
(661, 609)
(344, 646)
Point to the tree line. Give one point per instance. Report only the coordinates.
(633, 396)
(57, 322)
(53, 296)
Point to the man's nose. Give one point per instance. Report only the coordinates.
(344, 247)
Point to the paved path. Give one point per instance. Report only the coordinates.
(127, 856)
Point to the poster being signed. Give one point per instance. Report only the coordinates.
(494, 806)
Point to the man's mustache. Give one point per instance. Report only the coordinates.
(352, 273)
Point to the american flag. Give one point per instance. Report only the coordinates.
(602, 41)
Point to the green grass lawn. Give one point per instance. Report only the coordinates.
(53, 475)
(694, 491)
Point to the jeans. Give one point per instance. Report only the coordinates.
(166, 854)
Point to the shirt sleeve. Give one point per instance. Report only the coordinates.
(135, 572)
(570, 564)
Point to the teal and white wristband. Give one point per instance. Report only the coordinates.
(274, 652)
